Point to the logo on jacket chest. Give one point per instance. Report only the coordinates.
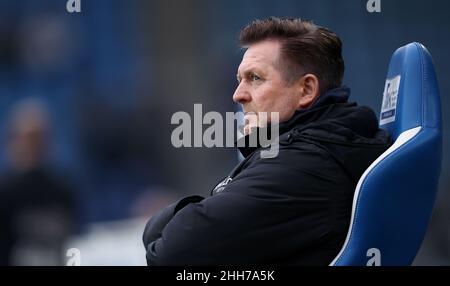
(221, 186)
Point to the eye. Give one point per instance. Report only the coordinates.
(254, 77)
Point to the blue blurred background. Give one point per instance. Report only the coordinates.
(98, 88)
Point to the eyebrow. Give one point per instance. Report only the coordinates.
(250, 69)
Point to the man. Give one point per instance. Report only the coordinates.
(37, 206)
(295, 208)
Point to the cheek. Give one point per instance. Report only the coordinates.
(284, 102)
(269, 97)
(274, 97)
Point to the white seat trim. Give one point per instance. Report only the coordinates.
(402, 139)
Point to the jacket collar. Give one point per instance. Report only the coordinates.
(334, 96)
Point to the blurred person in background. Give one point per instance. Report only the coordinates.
(36, 206)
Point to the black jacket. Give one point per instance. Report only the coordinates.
(293, 209)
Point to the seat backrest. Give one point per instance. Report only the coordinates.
(394, 197)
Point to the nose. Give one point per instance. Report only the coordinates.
(241, 95)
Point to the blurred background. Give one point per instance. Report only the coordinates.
(86, 101)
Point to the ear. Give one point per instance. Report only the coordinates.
(309, 91)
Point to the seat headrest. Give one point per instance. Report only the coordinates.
(411, 95)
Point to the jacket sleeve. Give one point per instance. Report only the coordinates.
(269, 209)
(156, 224)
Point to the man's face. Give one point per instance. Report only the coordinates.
(262, 87)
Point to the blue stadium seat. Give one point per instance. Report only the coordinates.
(394, 198)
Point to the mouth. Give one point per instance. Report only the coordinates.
(250, 116)
(250, 121)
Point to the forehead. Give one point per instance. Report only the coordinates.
(261, 54)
